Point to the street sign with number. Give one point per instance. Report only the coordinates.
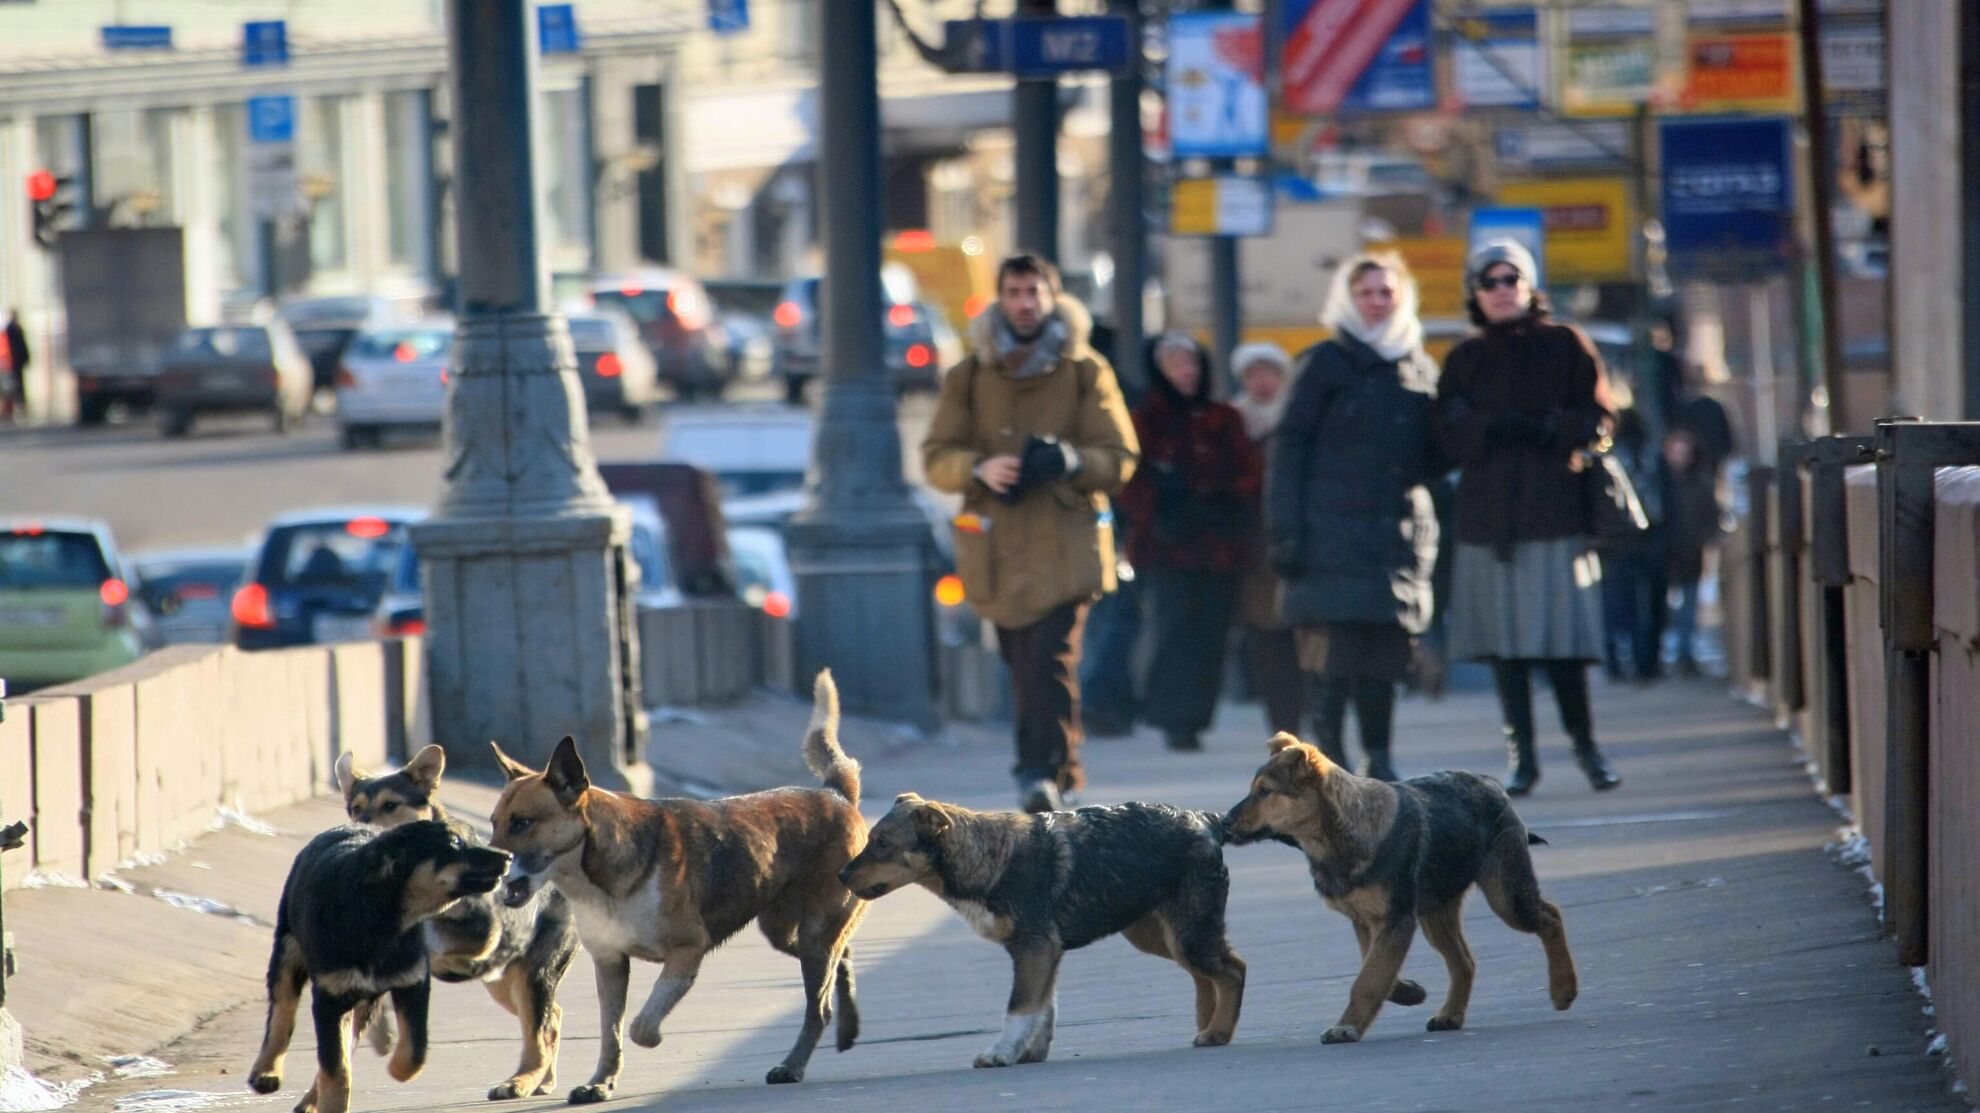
(1042, 48)
(271, 156)
(137, 37)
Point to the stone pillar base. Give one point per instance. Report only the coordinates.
(11, 1046)
(865, 583)
(531, 637)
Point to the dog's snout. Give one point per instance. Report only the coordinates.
(845, 877)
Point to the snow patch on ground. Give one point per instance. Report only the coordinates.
(225, 817)
(51, 879)
(137, 1066)
(21, 1091)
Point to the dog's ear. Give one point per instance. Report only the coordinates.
(1281, 742)
(348, 774)
(908, 798)
(511, 768)
(565, 774)
(426, 766)
(931, 820)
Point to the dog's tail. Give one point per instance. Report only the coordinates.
(828, 762)
(1535, 840)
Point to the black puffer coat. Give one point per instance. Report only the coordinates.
(1350, 521)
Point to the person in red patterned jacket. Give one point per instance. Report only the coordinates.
(1193, 507)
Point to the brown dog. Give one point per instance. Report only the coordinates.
(669, 880)
(1392, 856)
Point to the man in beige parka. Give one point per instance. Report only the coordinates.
(1031, 430)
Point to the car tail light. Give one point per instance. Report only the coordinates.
(777, 605)
(949, 591)
(914, 239)
(919, 356)
(405, 352)
(251, 608)
(609, 366)
(344, 379)
(788, 314)
(404, 627)
(114, 593)
(900, 316)
(367, 528)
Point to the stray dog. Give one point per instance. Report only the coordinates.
(519, 954)
(1045, 884)
(669, 880)
(1392, 856)
(349, 926)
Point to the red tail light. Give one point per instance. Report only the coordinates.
(900, 316)
(344, 379)
(918, 355)
(777, 605)
(401, 627)
(405, 352)
(609, 366)
(367, 528)
(788, 314)
(251, 608)
(114, 593)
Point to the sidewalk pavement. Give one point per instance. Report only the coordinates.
(1725, 957)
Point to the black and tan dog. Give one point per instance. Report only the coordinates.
(1045, 884)
(519, 954)
(349, 926)
(1392, 856)
(669, 880)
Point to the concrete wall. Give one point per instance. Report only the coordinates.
(138, 760)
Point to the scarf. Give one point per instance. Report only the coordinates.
(1026, 359)
(1395, 338)
(1261, 419)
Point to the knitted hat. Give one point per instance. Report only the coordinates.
(1263, 351)
(1493, 252)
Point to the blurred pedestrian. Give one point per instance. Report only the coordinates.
(1194, 503)
(18, 358)
(1109, 705)
(1516, 403)
(1634, 581)
(1271, 650)
(1030, 429)
(1353, 530)
(1695, 522)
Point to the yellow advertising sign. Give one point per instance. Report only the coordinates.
(1438, 264)
(1587, 222)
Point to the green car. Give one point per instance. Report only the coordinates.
(66, 609)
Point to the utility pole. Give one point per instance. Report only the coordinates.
(1035, 127)
(1821, 190)
(860, 548)
(531, 631)
(1128, 196)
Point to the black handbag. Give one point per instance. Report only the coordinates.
(1615, 515)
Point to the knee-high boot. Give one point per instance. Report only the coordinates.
(1516, 708)
(1375, 709)
(1330, 700)
(1570, 683)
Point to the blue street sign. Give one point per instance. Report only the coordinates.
(265, 43)
(271, 119)
(727, 17)
(1728, 192)
(557, 29)
(135, 37)
(1043, 47)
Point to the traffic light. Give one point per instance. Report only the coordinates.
(49, 200)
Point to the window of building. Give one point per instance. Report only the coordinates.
(409, 173)
(565, 172)
(320, 167)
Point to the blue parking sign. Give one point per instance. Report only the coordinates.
(271, 119)
(557, 29)
(727, 17)
(265, 43)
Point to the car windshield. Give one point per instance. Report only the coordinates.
(192, 580)
(31, 558)
(326, 310)
(644, 306)
(222, 343)
(404, 345)
(759, 299)
(354, 555)
(592, 332)
(650, 555)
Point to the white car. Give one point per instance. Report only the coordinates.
(763, 570)
(750, 450)
(394, 376)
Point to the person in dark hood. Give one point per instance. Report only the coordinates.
(1353, 530)
(1193, 503)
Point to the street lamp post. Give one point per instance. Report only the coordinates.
(860, 548)
(529, 618)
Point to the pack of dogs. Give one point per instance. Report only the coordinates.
(375, 910)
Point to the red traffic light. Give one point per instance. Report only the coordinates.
(41, 185)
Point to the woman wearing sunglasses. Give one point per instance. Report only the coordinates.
(1516, 402)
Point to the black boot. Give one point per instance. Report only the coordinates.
(1330, 697)
(1516, 707)
(1600, 777)
(1377, 767)
(1375, 709)
(1570, 683)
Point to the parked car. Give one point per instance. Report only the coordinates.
(188, 592)
(66, 610)
(910, 342)
(677, 320)
(763, 570)
(750, 450)
(616, 368)
(758, 560)
(748, 308)
(317, 576)
(325, 326)
(393, 377)
(256, 368)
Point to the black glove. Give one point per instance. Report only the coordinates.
(1516, 427)
(1043, 460)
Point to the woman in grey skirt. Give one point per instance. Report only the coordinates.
(1515, 403)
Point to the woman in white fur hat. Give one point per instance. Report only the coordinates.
(1264, 371)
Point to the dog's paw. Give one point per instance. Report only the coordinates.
(993, 1058)
(1344, 1033)
(1441, 1023)
(783, 1074)
(1211, 1038)
(1033, 1055)
(264, 1083)
(591, 1094)
(1563, 994)
(1407, 992)
(643, 1033)
(518, 1087)
(307, 1104)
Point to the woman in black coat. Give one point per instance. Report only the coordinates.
(1517, 402)
(1351, 525)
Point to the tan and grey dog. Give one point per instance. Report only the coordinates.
(1391, 857)
(668, 881)
(519, 954)
(1042, 885)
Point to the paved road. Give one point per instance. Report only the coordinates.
(1726, 961)
(219, 486)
